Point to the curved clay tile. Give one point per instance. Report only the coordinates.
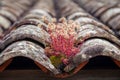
(30, 50)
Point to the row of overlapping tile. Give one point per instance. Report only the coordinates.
(27, 39)
(108, 13)
(11, 11)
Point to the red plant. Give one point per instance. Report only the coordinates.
(63, 39)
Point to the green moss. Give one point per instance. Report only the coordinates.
(56, 60)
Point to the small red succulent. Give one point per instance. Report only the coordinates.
(63, 38)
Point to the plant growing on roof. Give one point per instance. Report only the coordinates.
(63, 37)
